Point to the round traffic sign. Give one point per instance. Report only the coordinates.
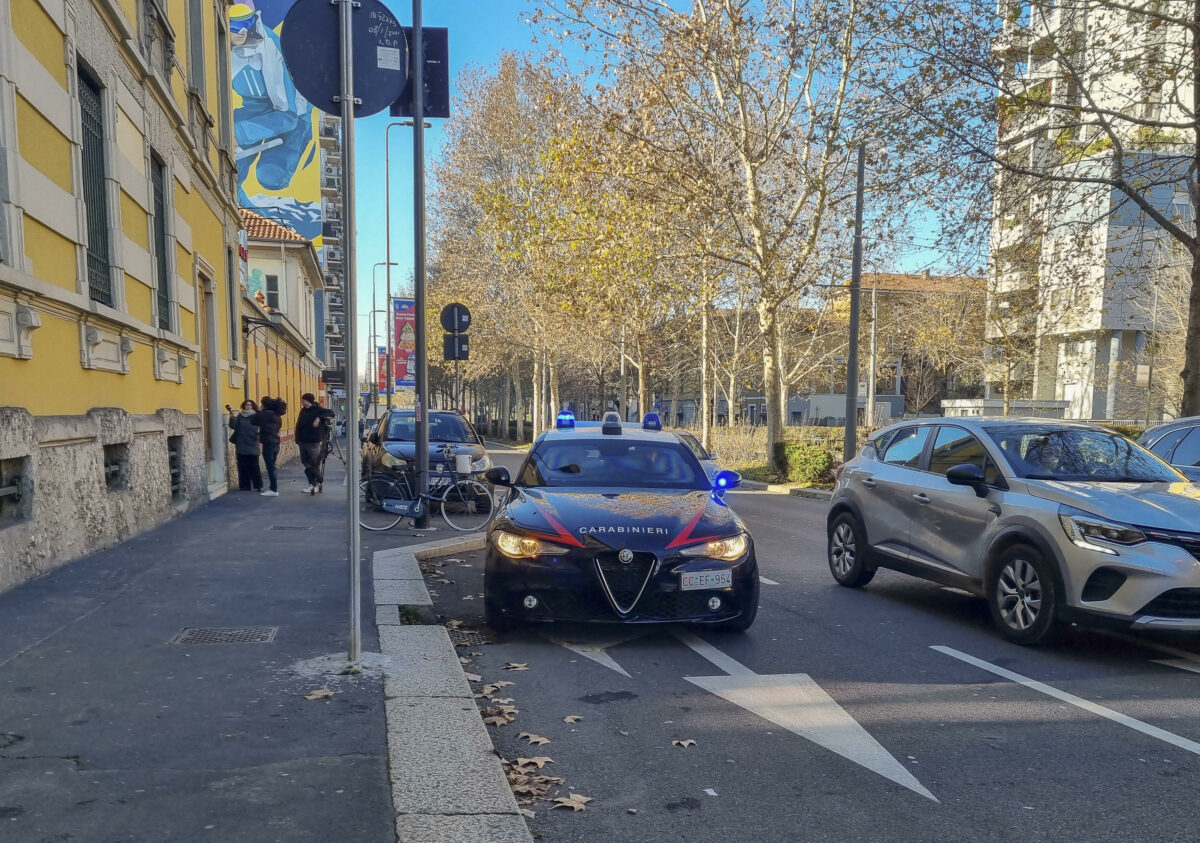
(456, 318)
(311, 42)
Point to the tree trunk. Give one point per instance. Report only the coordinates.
(555, 402)
(783, 419)
(518, 401)
(643, 398)
(536, 415)
(768, 323)
(704, 391)
(1191, 344)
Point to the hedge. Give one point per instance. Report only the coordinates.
(804, 463)
(1127, 430)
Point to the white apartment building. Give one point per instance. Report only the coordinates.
(1074, 263)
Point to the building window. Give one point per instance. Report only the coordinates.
(233, 293)
(15, 489)
(158, 40)
(196, 47)
(223, 84)
(273, 292)
(116, 464)
(95, 191)
(162, 265)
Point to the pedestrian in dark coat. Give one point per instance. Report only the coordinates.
(311, 436)
(245, 442)
(270, 420)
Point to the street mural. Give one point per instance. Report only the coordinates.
(276, 130)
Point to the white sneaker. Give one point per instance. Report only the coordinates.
(307, 490)
(270, 494)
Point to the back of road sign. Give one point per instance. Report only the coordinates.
(311, 41)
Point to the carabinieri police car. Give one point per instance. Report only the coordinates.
(618, 523)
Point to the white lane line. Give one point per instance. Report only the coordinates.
(766, 581)
(1181, 664)
(795, 702)
(1079, 702)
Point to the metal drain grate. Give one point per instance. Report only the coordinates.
(226, 635)
(468, 637)
(296, 527)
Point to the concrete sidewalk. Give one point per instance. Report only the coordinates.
(130, 711)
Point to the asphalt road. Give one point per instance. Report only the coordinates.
(890, 713)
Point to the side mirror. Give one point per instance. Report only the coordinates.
(498, 476)
(373, 438)
(723, 481)
(968, 475)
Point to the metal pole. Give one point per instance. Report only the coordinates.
(421, 398)
(1150, 369)
(851, 443)
(354, 651)
(870, 420)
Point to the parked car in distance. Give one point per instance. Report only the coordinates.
(1048, 520)
(391, 442)
(1176, 442)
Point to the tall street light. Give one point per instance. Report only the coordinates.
(374, 352)
(387, 236)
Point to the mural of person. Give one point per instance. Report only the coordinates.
(273, 125)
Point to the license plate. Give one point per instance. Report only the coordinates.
(700, 580)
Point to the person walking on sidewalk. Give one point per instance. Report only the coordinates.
(270, 420)
(310, 436)
(245, 442)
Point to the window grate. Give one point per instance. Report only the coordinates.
(175, 465)
(116, 459)
(95, 192)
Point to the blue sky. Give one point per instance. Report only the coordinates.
(479, 30)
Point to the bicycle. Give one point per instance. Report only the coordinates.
(466, 503)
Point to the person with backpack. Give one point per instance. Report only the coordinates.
(270, 421)
(244, 425)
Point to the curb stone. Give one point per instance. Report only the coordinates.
(785, 489)
(446, 779)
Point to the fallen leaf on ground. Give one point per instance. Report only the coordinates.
(474, 654)
(473, 677)
(525, 812)
(572, 718)
(501, 700)
(319, 694)
(467, 597)
(517, 666)
(539, 762)
(633, 810)
(622, 732)
(499, 715)
(464, 660)
(684, 743)
(532, 738)
(503, 683)
(454, 624)
(445, 581)
(576, 802)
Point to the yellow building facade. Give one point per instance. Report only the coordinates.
(120, 300)
(279, 329)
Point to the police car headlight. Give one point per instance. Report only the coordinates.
(727, 550)
(523, 547)
(390, 461)
(482, 464)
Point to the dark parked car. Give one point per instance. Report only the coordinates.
(392, 442)
(1178, 443)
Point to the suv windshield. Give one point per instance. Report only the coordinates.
(1066, 454)
(613, 462)
(443, 427)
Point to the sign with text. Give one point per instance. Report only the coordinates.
(381, 366)
(404, 328)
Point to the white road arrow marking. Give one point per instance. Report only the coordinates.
(595, 650)
(763, 579)
(795, 702)
(1182, 664)
(1079, 702)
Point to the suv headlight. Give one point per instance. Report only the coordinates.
(727, 550)
(390, 461)
(523, 547)
(482, 464)
(1092, 533)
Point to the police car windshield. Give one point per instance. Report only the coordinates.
(443, 427)
(613, 462)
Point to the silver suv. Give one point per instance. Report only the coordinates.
(1048, 520)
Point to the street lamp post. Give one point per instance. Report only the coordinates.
(374, 352)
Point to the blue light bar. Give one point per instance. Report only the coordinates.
(651, 421)
(565, 420)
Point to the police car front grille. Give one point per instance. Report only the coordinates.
(624, 581)
(678, 605)
(1176, 603)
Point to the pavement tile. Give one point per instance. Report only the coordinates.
(402, 567)
(387, 615)
(477, 828)
(441, 759)
(424, 663)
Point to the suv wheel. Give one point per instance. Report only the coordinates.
(1022, 595)
(848, 552)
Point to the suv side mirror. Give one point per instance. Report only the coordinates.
(498, 476)
(968, 474)
(373, 438)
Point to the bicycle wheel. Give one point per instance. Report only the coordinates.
(468, 505)
(373, 490)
